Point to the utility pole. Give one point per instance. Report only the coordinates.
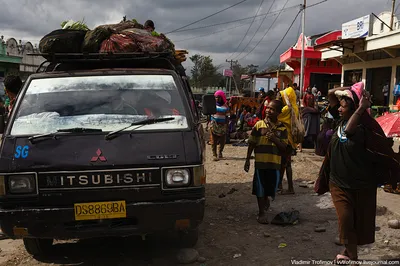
(230, 78)
(392, 16)
(303, 29)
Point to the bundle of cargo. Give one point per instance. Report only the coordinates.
(124, 37)
(180, 55)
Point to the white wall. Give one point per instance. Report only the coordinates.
(392, 62)
(379, 27)
(263, 82)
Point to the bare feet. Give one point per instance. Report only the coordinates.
(262, 218)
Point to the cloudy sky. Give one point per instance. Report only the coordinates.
(31, 19)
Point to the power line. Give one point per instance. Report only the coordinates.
(265, 34)
(248, 29)
(316, 4)
(236, 20)
(255, 33)
(284, 36)
(216, 13)
(299, 30)
(215, 32)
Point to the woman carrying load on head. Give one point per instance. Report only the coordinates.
(219, 124)
(358, 160)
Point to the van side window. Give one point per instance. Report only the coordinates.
(191, 97)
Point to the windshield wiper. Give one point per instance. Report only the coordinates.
(62, 132)
(80, 130)
(113, 134)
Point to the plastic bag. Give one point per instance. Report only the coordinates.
(298, 130)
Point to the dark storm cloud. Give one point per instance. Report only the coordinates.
(31, 19)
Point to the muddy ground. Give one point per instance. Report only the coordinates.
(230, 234)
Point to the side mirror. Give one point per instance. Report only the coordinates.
(209, 105)
(2, 123)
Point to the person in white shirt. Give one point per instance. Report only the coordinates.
(314, 91)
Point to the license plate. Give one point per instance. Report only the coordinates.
(100, 210)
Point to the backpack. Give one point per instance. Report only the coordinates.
(298, 130)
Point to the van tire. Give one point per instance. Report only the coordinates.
(38, 246)
(189, 238)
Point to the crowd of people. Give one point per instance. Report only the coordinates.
(358, 156)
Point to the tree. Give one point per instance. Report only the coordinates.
(274, 68)
(238, 71)
(252, 69)
(204, 73)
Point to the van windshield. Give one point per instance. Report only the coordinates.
(101, 102)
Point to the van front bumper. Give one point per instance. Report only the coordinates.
(142, 218)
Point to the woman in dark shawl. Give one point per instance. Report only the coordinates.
(359, 159)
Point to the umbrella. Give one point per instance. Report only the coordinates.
(390, 124)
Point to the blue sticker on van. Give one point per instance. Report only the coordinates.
(21, 152)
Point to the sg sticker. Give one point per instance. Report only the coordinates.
(21, 152)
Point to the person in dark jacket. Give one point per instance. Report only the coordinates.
(358, 160)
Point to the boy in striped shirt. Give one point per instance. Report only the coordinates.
(268, 140)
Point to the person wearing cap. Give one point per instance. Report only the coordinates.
(261, 95)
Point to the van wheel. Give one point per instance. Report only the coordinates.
(189, 238)
(38, 246)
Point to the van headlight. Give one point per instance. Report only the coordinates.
(177, 177)
(21, 184)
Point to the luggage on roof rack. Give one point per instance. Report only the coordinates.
(87, 61)
(63, 57)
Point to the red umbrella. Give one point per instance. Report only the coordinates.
(390, 124)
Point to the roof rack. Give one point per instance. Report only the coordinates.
(68, 57)
(71, 61)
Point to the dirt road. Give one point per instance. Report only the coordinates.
(230, 234)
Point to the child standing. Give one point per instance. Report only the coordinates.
(268, 139)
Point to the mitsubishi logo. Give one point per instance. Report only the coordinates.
(99, 156)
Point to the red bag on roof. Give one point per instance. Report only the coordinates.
(119, 43)
(151, 43)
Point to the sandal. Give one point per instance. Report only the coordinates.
(341, 257)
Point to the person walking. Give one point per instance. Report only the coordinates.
(288, 97)
(268, 140)
(219, 125)
(359, 158)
